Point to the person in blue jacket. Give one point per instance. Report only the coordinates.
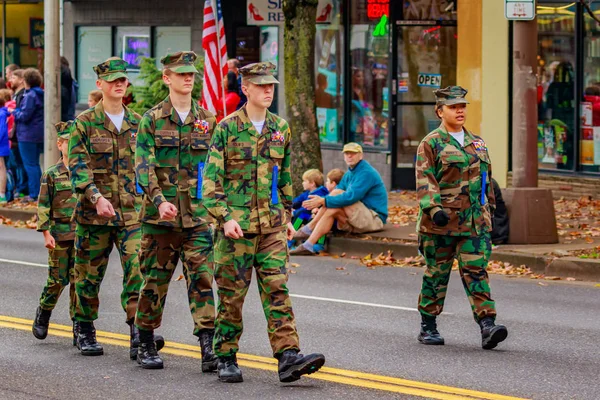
(29, 118)
(359, 204)
(312, 182)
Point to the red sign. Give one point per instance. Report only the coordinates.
(378, 8)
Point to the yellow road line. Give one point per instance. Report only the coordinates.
(347, 377)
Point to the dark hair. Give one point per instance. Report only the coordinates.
(4, 96)
(232, 85)
(592, 91)
(32, 77)
(64, 62)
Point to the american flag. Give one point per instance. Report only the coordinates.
(215, 56)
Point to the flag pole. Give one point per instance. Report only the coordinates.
(219, 57)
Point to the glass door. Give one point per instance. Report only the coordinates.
(425, 57)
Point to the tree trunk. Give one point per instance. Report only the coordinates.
(299, 51)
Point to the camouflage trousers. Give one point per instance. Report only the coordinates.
(234, 261)
(61, 261)
(93, 245)
(161, 249)
(473, 254)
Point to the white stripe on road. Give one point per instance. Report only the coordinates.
(23, 263)
(300, 296)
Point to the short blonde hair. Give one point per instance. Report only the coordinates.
(335, 175)
(315, 176)
(96, 95)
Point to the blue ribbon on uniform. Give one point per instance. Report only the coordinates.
(199, 187)
(138, 188)
(483, 186)
(274, 197)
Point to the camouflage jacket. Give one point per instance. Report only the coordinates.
(56, 203)
(101, 161)
(450, 177)
(247, 176)
(169, 160)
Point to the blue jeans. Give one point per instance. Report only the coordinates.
(30, 153)
(15, 164)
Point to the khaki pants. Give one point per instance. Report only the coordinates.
(360, 219)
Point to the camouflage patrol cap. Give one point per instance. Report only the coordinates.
(63, 130)
(352, 148)
(180, 62)
(450, 95)
(111, 69)
(259, 73)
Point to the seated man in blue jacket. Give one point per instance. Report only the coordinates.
(359, 204)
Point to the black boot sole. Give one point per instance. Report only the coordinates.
(40, 337)
(231, 379)
(498, 334)
(210, 366)
(149, 366)
(307, 368)
(431, 343)
(92, 353)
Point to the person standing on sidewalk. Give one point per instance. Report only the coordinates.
(56, 204)
(172, 147)
(456, 204)
(248, 190)
(101, 158)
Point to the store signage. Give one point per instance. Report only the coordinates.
(519, 10)
(269, 12)
(36, 33)
(378, 8)
(429, 80)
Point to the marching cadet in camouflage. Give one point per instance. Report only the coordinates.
(101, 151)
(171, 151)
(56, 204)
(456, 204)
(248, 189)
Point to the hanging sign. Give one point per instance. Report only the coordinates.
(519, 10)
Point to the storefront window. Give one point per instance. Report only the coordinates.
(434, 10)
(93, 47)
(370, 60)
(329, 75)
(556, 85)
(132, 43)
(590, 107)
(169, 39)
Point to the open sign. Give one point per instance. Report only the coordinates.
(430, 80)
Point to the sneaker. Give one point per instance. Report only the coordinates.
(3, 200)
(301, 251)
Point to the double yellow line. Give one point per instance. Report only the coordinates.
(346, 377)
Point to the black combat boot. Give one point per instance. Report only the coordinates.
(75, 332)
(134, 341)
(429, 333)
(41, 322)
(228, 370)
(491, 334)
(209, 360)
(86, 340)
(147, 355)
(293, 365)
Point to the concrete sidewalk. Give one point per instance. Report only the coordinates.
(578, 222)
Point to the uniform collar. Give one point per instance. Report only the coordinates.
(61, 168)
(129, 119)
(446, 137)
(246, 123)
(168, 111)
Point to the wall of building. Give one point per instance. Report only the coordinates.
(335, 159)
(130, 13)
(17, 26)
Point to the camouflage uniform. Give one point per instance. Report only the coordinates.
(247, 178)
(169, 159)
(101, 162)
(55, 208)
(451, 177)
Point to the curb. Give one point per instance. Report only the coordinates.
(16, 214)
(581, 269)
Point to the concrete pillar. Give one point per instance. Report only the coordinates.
(51, 80)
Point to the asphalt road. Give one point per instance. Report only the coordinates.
(364, 321)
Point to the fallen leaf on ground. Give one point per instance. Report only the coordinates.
(552, 278)
(571, 279)
(292, 271)
(295, 265)
(180, 277)
(340, 268)
(343, 255)
(542, 284)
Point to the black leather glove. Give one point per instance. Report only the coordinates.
(440, 218)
